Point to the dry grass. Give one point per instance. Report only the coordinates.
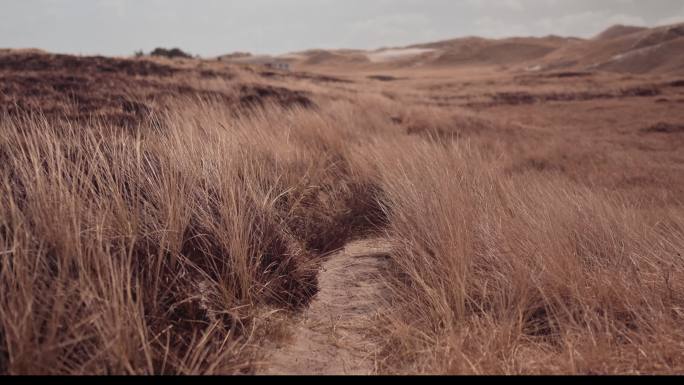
(528, 238)
(525, 273)
(152, 253)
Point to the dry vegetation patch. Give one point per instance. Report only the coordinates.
(123, 92)
(666, 128)
(519, 98)
(165, 216)
(153, 251)
(524, 273)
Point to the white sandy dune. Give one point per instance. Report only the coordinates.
(387, 55)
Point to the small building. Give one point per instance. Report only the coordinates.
(267, 61)
(277, 65)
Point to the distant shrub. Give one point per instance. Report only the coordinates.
(171, 53)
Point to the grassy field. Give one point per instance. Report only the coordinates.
(167, 216)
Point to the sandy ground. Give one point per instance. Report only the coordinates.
(330, 337)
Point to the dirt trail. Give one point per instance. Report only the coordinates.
(328, 337)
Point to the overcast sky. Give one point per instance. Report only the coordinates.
(212, 27)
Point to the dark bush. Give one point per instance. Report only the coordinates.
(171, 53)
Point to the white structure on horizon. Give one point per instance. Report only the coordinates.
(267, 61)
(278, 65)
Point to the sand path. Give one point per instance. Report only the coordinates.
(330, 336)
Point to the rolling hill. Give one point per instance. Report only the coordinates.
(621, 49)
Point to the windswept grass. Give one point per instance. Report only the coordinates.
(164, 216)
(524, 273)
(153, 252)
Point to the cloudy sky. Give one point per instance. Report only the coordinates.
(212, 27)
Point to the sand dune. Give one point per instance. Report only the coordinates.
(622, 49)
(618, 31)
(388, 55)
(627, 50)
(666, 57)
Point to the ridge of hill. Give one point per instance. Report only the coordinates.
(620, 48)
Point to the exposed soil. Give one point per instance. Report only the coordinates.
(331, 336)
